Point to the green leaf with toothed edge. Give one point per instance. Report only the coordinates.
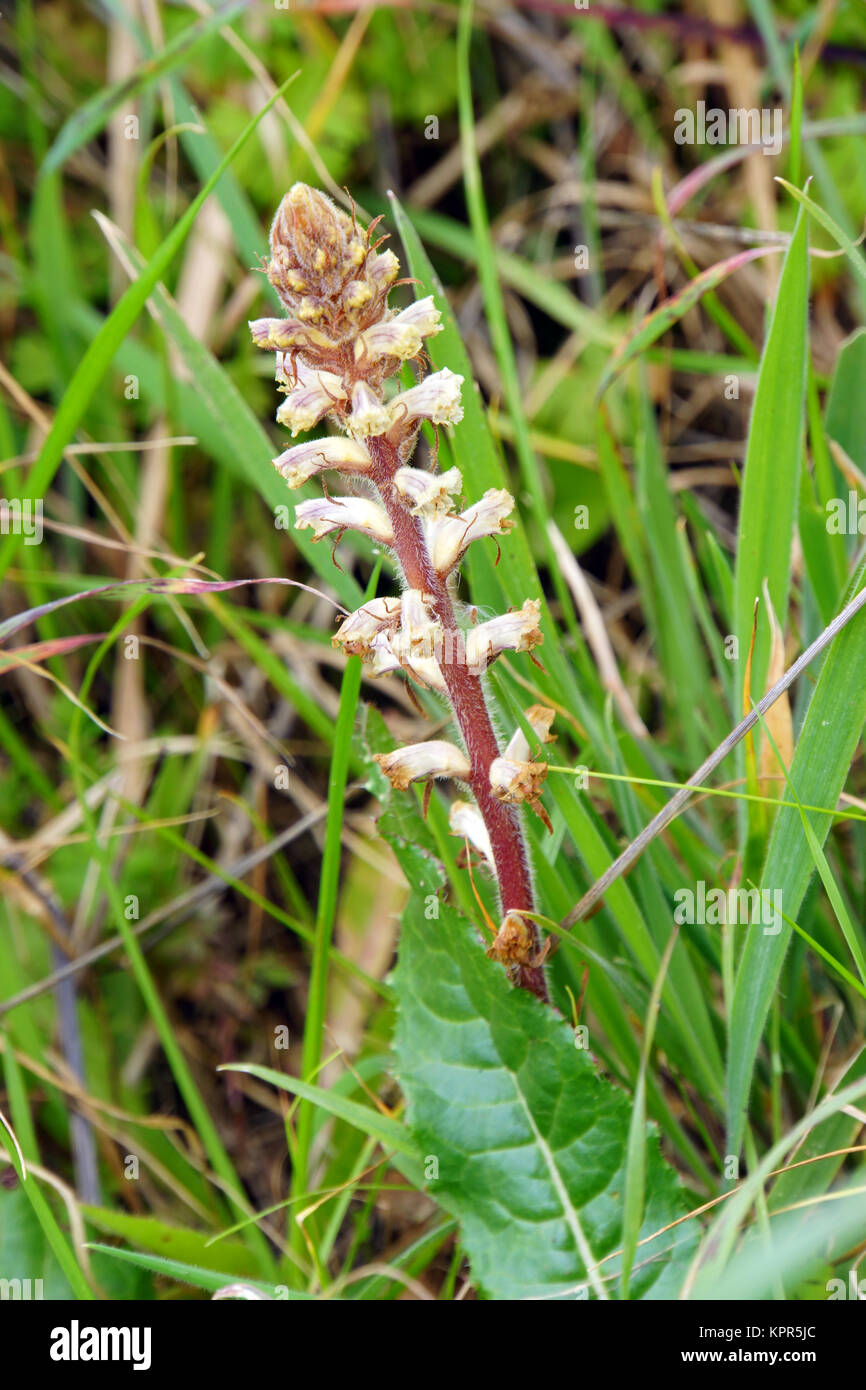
(529, 1140)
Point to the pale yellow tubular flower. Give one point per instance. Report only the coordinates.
(401, 336)
(357, 632)
(436, 398)
(310, 396)
(420, 633)
(540, 719)
(383, 659)
(449, 537)
(303, 461)
(428, 494)
(516, 632)
(418, 761)
(465, 820)
(369, 416)
(324, 515)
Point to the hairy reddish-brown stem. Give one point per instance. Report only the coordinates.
(467, 700)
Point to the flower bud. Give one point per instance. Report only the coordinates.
(279, 335)
(356, 294)
(382, 270)
(312, 243)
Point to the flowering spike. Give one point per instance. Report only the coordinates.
(312, 244)
(335, 353)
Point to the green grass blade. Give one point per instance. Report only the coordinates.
(54, 1236)
(208, 1279)
(314, 1023)
(827, 222)
(500, 334)
(385, 1131)
(672, 310)
(90, 118)
(826, 745)
(772, 469)
(635, 1162)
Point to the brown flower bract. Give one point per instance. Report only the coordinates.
(324, 268)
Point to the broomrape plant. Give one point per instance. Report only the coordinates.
(671, 1105)
(527, 1091)
(337, 351)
